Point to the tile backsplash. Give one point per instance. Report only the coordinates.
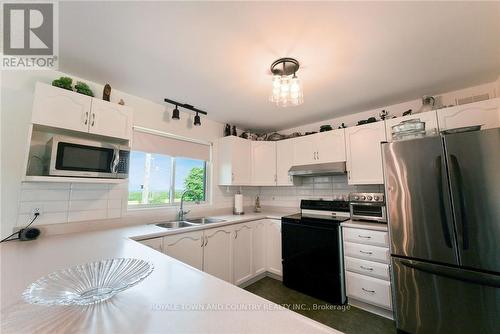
(324, 187)
(71, 202)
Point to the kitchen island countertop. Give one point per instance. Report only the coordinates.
(175, 298)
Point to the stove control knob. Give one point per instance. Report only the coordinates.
(356, 197)
(376, 198)
(363, 198)
(369, 198)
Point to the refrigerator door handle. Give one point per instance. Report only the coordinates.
(463, 275)
(442, 212)
(458, 179)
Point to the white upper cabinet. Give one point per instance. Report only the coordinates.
(263, 163)
(242, 253)
(217, 253)
(429, 118)
(186, 247)
(364, 154)
(60, 108)
(235, 161)
(284, 160)
(328, 146)
(110, 119)
(485, 113)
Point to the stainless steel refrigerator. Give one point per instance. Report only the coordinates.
(443, 197)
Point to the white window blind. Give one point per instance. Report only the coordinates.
(162, 143)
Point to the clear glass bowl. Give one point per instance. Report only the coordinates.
(88, 283)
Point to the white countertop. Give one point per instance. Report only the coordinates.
(365, 225)
(162, 303)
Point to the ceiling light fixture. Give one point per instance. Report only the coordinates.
(287, 90)
(175, 112)
(197, 120)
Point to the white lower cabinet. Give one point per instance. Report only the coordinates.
(235, 253)
(368, 289)
(273, 247)
(242, 253)
(217, 251)
(259, 246)
(185, 247)
(367, 269)
(155, 243)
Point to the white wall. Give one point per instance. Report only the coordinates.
(63, 203)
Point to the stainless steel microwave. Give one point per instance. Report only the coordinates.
(77, 157)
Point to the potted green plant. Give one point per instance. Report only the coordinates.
(63, 82)
(83, 88)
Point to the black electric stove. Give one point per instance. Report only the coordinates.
(312, 249)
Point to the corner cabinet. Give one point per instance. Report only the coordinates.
(284, 161)
(273, 247)
(263, 154)
(235, 161)
(64, 109)
(364, 154)
(485, 113)
(323, 147)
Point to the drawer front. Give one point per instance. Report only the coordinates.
(370, 268)
(368, 289)
(368, 237)
(367, 252)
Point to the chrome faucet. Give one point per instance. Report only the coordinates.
(182, 213)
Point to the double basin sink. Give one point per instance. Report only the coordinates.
(190, 222)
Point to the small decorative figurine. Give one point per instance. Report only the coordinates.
(121, 102)
(257, 207)
(106, 92)
(234, 132)
(227, 130)
(383, 114)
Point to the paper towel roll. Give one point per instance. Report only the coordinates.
(238, 204)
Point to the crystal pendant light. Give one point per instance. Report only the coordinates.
(286, 89)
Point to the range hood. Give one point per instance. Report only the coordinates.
(330, 168)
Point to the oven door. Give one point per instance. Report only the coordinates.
(83, 159)
(368, 211)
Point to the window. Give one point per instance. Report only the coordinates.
(157, 177)
(150, 179)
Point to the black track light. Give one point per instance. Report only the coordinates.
(175, 113)
(197, 120)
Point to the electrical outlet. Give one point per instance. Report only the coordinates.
(36, 210)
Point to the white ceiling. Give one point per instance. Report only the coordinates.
(216, 56)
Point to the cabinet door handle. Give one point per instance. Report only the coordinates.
(364, 236)
(206, 242)
(366, 268)
(366, 290)
(365, 252)
(93, 119)
(202, 242)
(86, 117)
(317, 154)
(235, 234)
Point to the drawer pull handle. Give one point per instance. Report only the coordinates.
(364, 252)
(370, 291)
(364, 236)
(366, 268)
